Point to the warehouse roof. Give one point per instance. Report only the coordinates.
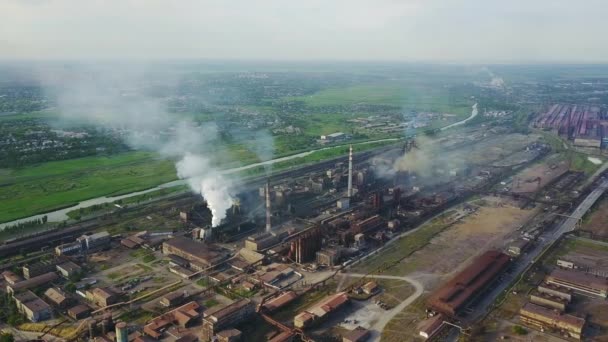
(531, 309)
(456, 293)
(580, 278)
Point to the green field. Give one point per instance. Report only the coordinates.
(54, 185)
(431, 97)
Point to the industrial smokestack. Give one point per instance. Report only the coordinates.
(268, 212)
(350, 172)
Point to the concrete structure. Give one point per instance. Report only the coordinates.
(34, 308)
(548, 301)
(79, 311)
(223, 317)
(42, 267)
(200, 255)
(305, 246)
(349, 192)
(320, 310)
(466, 286)
(102, 296)
(579, 281)
(57, 297)
(68, 248)
(122, 334)
(555, 291)
(261, 241)
(32, 282)
(95, 241)
(172, 299)
(268, 208)
(333, 137)
(543, 318)
(68, 269)
(329, 256)
(343, 203)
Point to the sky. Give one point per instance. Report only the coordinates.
(468, 31)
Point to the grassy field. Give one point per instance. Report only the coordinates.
(430, 97)
(53, 185)
(404, 246)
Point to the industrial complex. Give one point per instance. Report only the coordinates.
(309, 254)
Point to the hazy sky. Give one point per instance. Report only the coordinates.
(410, 30)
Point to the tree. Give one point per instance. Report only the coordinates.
(7, 337)
(519, 330)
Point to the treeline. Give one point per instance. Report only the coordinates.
(26, 225)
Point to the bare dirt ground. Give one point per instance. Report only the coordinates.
(485, 229)
(495, 222)
(527, 180)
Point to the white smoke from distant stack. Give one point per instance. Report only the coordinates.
(114, 98)
(214, 187)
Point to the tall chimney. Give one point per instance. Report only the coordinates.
(268, 209)
(350, 172)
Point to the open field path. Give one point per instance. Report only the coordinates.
(376, 330)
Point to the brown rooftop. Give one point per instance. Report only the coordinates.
(456, 293)
(218, 313)
(280, 301)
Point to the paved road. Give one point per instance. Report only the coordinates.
(377, 328)
(544, 241)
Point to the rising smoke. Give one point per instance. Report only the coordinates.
(116, 99)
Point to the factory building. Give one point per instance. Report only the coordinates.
(200, 255)
(223, 317)
(68, 248)
(32, 282)
(79, 311)
(321, 310)
(102, 296)
(555, 291)
(368, 224)
(543, 318)
(34, 308)
(548, 301)
(579, 281)
(68, 269)
(431, 326)
(57, 297)
(305, 246)
(95, 241)
(279, 301)
(261, 241)
(183, 317)
(329, 256)
(469, 284)
(39, 268)
(11, 277)
(229, 335)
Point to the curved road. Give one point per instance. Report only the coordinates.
(377, 328)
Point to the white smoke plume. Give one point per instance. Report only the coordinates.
(115, 98)
(212, 185)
